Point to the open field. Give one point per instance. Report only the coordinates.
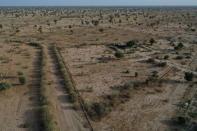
(98, 69)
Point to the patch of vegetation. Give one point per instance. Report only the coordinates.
(161, 64)
(179, 46)
(119, 54)
(4, 86)
(20, 73)
(47, 123)
(152, 41)
(96, 110)
(22, 80)
(189, 76)
(67, 81)
(130, 43)
(179, 57)
(120, 94)
(166, 57)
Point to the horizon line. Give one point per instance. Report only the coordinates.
(97, 5)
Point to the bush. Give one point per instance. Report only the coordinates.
(181, 120)
(179, 57)
(151, 60)
(47, 123)
(101, 30)
(152, 41)
(188, 76)
(130, 43)
(96, 110)
(4, 86)
(72, 96)
(20, 73)
(179, 46)
(161, 64)
(119, 54)
(166, 57)
(22, 80)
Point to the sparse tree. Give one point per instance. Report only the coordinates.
(189, 76)
(40, 29)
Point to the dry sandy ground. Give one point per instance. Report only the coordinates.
(67, 118)
(17, 104)
(83, 47)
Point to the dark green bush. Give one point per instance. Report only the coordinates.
(20, 73)
(166, 57)
(22, 80)
(47, 123)
(152, 41)
(4, 85)
(189, 76)
(130, 43)
(119, 54)
(96, 110)
(72, 96)
(179, 46)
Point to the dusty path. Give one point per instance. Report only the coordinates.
(18, 106)
(68, 118)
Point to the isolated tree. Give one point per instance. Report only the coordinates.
(95, 22)
(189, 76)
(22, 80)
(179, 46)
(55, 21)
(40, 29)
(1, 26)
(152, 41)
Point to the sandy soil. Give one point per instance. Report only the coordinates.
(18, 104)
(68, 118)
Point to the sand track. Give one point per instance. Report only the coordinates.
(68, 118)
(18, 106)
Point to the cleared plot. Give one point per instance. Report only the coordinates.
(18, 104)
(67, 117)
(97, 72)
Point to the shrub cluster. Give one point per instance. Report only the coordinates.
(4, 86)
(67, 81)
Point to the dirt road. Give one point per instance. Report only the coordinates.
(18, 106)
(68, 118)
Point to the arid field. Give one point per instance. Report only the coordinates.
(98, 69)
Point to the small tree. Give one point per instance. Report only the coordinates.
(152, 41)
(55, 21)
(40, 29)
(95, 22)
(130, 43)
(179, 46)
(22, 80)
(1, 26)
(4, 85)
(189, 76)
(119, 54)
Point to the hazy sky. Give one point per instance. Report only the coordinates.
(96, 2)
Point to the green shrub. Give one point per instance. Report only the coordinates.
(22, 80)
(161, 64)
(179, 46)
(4, 85)
(152, 41)
(72, 96)
(20, 73)
(47, 123)
(181, 120)
(130, 43)
(166, 57)
(189, 76)
(119, 54)
(96, 110)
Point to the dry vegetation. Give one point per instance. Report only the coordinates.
(101, 69)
